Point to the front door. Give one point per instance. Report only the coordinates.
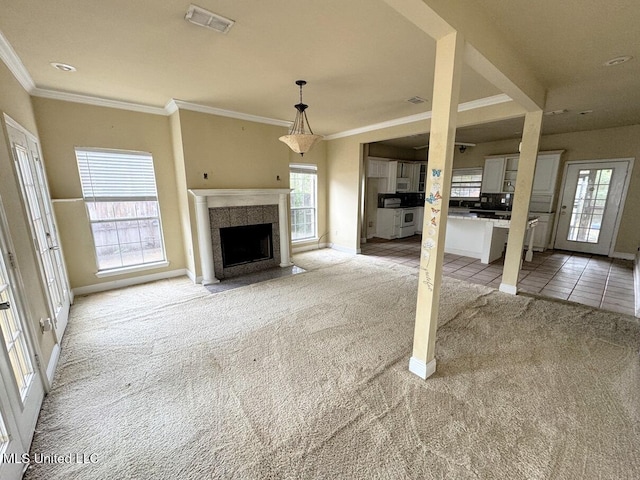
(22, 389)
(590, 206)
(35, 192)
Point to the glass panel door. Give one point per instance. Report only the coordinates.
(588, 205)
(21, 386)
(589, 209)
(38, 202)
(11, 449)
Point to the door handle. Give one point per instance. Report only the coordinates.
(5, 306)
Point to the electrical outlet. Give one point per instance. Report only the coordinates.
(370, 223)
(205, 175)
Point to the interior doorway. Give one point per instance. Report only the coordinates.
(591, 204)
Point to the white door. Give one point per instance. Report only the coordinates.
(22, 386)
(11, 449)
(26, 152)
(590, 206)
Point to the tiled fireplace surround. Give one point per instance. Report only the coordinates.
(217, 209)
(223, 217)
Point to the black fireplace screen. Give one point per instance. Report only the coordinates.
(246, 244)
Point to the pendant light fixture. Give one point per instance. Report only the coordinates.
(300, 138)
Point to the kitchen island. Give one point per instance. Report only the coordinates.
(482, 236)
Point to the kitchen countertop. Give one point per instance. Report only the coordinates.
(499, 219)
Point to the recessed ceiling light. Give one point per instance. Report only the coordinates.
(204, 18)
(617, 60)
(64, 67)
(585, 112)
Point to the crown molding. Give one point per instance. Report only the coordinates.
(97, 101)
(484, 102)
(379, 126)
(174, 105)
(480, 103)
(15, 65)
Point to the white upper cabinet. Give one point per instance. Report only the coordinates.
(377, 168)
(499, 175)
(544, 182)
(493, 174)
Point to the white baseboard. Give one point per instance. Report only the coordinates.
(623, 256)
(306, 248)
(421, 369)
(53, 363)
(506, 288)
(340, 248)
(127, 282)
(636, 283)
(192, 276)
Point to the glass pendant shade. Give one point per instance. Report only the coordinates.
(300, 138)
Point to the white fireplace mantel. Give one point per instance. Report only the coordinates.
(214, 198)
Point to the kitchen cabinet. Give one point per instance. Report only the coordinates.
(544, 182)
(542, 233)
(500, 172)
(411, 171)
(377, 168)
(419, 219)
(385, 170)
(422, 177)
(510, 174)
(388, 223)
(493, 174)
(389, 186)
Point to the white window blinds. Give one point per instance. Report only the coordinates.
(109, 175)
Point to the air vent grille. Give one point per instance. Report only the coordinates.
(416, 100)
(204, 18)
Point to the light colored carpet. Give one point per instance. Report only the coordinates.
(307, 377)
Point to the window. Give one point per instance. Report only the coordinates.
(304, 182)
(119, 189)
(466, 183)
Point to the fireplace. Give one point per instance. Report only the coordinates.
(246, 244)
(241, 215)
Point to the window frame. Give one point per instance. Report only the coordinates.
(149, 195)
(466, 171)
(305, 169)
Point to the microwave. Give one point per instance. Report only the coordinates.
(403, 185)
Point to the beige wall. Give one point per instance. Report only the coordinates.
(66, 125)
(622, 142)
(15, 102)
(183, 195)
(239, 154)
(344, 167)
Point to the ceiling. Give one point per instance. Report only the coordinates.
(361, 58)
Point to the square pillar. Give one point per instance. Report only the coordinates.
(446, 92)
(521, 200)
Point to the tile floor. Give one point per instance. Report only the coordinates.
(592, 280)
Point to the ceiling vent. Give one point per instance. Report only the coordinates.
(416, 100)
(204, 18)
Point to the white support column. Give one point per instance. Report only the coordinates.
(283, 220)
(521, 199)
(446, 90)
(204, 240)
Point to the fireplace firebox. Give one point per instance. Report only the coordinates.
(246, 244)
